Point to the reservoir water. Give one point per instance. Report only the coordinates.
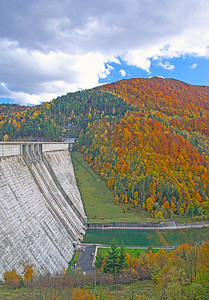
(147, 238)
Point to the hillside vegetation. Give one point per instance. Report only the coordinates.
(147, 138)
(97, 198)
(179, 274)
(6, 109)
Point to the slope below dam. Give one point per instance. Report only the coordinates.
(41, 211)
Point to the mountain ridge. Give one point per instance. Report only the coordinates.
(147, 138)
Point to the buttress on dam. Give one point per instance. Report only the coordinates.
(41, 211)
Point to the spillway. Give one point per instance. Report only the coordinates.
(41, 211)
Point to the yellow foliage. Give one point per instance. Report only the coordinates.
(6, 137)
(14, 122)
(134, 263)
(136, 195)
(34, 115)
(159, 215)
(181, 211)
(80, 294)
(116, 199)
(149, 203)
(173, 206)
(111, 182)
(28, 270)
(1, 124)
(11, 276)
(140, 297)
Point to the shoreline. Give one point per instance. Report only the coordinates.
(168, 225)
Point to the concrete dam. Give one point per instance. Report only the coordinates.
(41, 211)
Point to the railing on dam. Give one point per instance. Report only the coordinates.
(31, 149)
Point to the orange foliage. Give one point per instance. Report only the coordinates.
(81, 294)
(28, 270)
(168, 96)
(155, 170)
(11, 276)
(128, 259)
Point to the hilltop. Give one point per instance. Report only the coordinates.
(185, 106)
(147, 138)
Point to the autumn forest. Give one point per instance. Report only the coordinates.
(147, 138)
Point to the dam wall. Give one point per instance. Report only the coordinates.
(9, 149)
(15, 148)
(47, 147)
(41, 211)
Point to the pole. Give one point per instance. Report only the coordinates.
(95, 281)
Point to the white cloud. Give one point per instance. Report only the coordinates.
(138, 59)
(48, 49)
(156, 76)
(166, 66)
(26, 98)
(193, 66)
(122, 73)
(3, 90)
(47, 75)
(106, 71)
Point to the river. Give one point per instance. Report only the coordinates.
(147, 238)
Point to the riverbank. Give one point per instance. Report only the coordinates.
(147, 225)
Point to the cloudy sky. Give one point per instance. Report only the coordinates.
(51, 47)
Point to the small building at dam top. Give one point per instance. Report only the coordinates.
(41, 211)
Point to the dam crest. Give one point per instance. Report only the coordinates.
(41, 211)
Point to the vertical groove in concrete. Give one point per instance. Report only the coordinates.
(74, 205)
(36, 220)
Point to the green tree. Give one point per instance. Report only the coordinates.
(116, 259)
(122, 258)
(112, 264)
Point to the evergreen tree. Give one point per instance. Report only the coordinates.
(122, 258)
(112, 265)
(116, 259)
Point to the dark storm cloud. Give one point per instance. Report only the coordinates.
(79, 26)
(44, 24)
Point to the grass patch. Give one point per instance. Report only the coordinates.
(133, 252)
(37, 293)
(97, 198)
(118, 291)
(144, 288)
(73, 261)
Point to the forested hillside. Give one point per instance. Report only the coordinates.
(183, 106)
(6, 109)
(48, 119)
(148, 138)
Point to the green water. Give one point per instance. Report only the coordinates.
(147, 238)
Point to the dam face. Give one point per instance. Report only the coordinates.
(41, 211)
